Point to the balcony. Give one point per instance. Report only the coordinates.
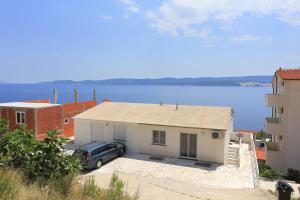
(272, 146)
(275, 100)
(274, 126)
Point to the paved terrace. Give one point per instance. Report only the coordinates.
(185, 171)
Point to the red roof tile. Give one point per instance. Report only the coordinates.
(260, 154)
(289, 74)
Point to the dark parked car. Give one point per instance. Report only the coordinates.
(94, 154)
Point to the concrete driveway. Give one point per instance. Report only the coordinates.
(180, 179)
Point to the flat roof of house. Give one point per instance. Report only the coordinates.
(205, 117)
(27, 105)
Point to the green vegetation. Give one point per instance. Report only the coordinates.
(38, 160)
(32, 169)
(261, 135)
(13, 187)
(293, 175)
(3, 126)
(267, 172)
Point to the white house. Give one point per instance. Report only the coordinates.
(196, 132)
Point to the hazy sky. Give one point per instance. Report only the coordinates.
(98, 39)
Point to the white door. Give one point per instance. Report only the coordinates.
(188, 145)
(97, 131)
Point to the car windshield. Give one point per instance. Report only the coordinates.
(80, 154)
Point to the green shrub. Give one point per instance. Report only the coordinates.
(39, 160)
(47, 160)
(3, 127)
(116, 188)
(90, 189)
(294, 175)
(267, 172)
(17, 146)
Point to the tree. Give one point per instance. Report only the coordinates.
(40, 160)
(261, 135)
(3, 126)
(48, 161)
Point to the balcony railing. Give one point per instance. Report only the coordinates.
(272, 120)
(274, 126)
(272, 146)
(275, 100)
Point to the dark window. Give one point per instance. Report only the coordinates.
(98, 151)
(20, 117)
(67, 120)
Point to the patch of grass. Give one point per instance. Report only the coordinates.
(13, 186)
(90, 189)
(8, 185)
(267, 172)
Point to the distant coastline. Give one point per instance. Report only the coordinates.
(241, 81)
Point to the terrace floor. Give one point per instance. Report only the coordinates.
(181, 179)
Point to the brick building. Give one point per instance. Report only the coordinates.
(42, 116)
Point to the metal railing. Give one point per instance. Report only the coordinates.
(254, 163)
(272, 146)
(272, 120)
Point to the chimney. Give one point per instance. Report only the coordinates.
(106, 100)
(176, 106)
(54, 96)
(95, 95)
(75, 95)
(161, 104)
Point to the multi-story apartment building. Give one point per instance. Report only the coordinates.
(283, 152)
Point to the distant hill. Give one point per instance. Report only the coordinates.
(251, 81)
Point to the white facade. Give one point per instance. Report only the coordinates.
(159, 130)
(139, 138)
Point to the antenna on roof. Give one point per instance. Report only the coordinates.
(95, 95)
(55, 96)
(75, 95)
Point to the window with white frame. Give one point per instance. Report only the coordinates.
(159, 137)
(120, 133)
(20, 117)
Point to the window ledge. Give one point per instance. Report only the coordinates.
(159, 144)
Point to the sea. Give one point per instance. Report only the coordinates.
(248, 102)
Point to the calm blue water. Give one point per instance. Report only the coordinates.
(248, 102)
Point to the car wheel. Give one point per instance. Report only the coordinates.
(121, 152)
(99, 164)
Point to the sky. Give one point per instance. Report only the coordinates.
(100, 39)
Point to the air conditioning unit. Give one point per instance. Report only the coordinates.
(215, 135)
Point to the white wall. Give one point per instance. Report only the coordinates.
(292, 121)
(208, 149)
(82, 131)
(139, 139)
